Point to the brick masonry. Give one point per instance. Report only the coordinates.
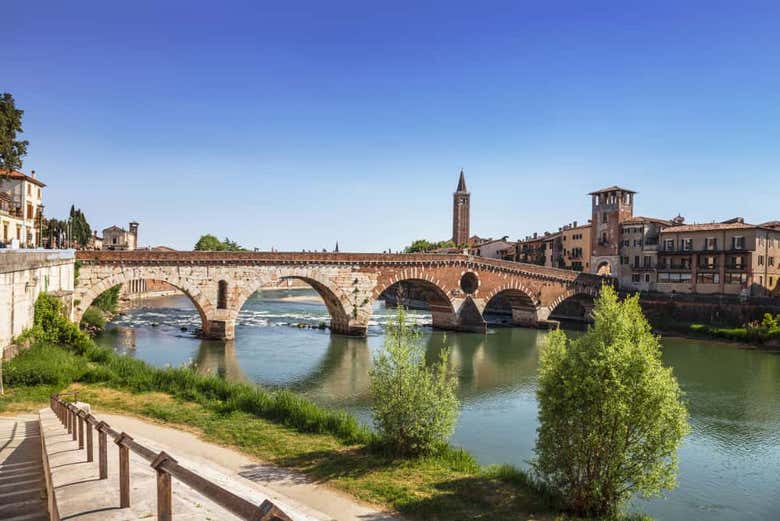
(348, 283)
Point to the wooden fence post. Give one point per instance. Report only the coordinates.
(164, 487)
(81, 414)
(102, 450)
(67, 419)
(124, 470)
(74, 427)
(90, 445)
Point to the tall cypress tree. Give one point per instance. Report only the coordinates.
(12, 150)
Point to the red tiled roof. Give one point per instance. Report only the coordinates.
(639, 219)
(708, 227)
(18, 175)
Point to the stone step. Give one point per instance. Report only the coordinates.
(9, 510)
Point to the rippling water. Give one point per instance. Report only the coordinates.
(729, 465)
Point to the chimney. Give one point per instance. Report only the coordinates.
(575, 224)
(32, 174)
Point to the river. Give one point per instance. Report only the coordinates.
(729, 464)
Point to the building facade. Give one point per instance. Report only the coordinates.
(21, 210)
(609, 207)
(575, 247)
(731, 257)
(461, 201)
(116, 238)
(639, 241)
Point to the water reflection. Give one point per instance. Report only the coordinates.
(728, 466)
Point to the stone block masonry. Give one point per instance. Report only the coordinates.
(24, 274)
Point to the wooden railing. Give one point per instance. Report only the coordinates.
(48, 484)
(78, 421)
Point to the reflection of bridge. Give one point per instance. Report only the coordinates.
(458, 287)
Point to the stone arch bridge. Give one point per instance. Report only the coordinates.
(458, 288)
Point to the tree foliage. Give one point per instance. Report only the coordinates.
(12, 150)
(414, 405)
(611, 415)
(210, 242)
(423, 245)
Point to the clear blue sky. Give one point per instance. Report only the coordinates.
(293, 125)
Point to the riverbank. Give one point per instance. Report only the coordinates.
(738, 336)
(280, 427)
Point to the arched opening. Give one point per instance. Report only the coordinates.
(144, 302)
(575, 308)
(511, 307)
(604, 269)
(421, 295)
(297, 301)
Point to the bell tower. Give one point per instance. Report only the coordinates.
(460, 212)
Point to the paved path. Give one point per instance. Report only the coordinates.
(247, 476)
(21, 471)
(82, 496)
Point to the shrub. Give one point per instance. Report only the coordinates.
(414, 406)
(44, 365)
(611, 415)
(93, 317)
(108, 300)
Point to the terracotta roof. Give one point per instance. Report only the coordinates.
(639, 219)
(6, 197)
(612, 189)
(708, 227)
(770, 224)
(112, 228)
(23, 177)
(162, 248)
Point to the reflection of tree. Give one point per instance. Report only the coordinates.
(219, 358)
(733, 395)
(342, 374)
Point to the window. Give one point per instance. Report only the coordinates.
(737, 261)
(669, 244)
(647, 277)
(636, 261)
(39, 193)
(736, 278)
(771, 281)
(674, 277)
(738, 243)
(760, 260)
(770, 261)
(709, 262)
(623, 260)
(711, 243)
(605, 217)
(29, 189)
(708, 278)
(687, 244)
(635, 277)
(648, 261)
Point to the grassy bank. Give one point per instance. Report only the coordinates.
(765, 333)
(280, 427)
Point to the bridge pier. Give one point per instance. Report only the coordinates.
(220, 330)
(348, 327)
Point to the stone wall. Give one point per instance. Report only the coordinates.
(723, 310)
(24, 274)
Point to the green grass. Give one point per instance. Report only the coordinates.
(280, 427)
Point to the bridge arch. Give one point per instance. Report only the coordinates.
(346, 317)
(576, 303)
(443, 312)
(522, 303)
(88, 295)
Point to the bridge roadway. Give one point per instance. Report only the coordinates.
(458, 287)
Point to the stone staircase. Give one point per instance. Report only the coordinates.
(21, 470)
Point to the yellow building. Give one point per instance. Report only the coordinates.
(575, 247)
(21, 210)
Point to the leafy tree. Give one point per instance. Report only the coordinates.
(80, 231)
(11, 150)
(422, 246)
(210, 242)
(611, 415)
(414, 405)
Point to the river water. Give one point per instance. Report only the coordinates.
(729, 465)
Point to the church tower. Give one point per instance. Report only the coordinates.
(460, 213)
